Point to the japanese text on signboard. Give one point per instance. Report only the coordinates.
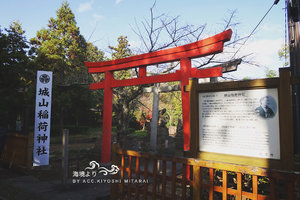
(42, 118)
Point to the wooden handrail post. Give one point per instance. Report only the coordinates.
(224, 184)
(196, 182)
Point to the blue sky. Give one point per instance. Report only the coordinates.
(102, 21)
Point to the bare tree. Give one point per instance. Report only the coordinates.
(162, 31)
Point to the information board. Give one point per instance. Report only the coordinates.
(241, 122)
(42, 118)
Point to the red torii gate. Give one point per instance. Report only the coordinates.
(184, 54)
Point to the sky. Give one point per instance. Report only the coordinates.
(103, 21)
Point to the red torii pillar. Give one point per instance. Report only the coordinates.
(184, 54)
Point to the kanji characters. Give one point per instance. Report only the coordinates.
(43, 114)
(42, 138)
(41, 150)
(43, 103)
(43, 126)
(44, 92)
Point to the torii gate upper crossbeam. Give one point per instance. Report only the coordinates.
(184, 54)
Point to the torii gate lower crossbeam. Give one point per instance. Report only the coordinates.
(184, 54)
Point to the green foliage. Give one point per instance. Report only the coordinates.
(122, 50)
(284, 54)
(139, 133)
(61, 48)
(125, 98)
(271, 73)
(83, 131)
(15, 76)
(172, 102)
(13, 47)
(247, 78)
(94, 54)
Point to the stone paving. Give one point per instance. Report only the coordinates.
(24, 186)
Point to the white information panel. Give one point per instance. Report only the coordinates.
(42, 118)
(242, 122)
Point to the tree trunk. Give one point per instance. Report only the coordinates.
(123, 119)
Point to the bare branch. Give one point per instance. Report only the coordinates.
(162, 31)
(172, 66)
(229, 21)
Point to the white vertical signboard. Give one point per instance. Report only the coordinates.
(42, 118)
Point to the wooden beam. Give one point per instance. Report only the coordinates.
(166, 55)
(142, 71)
(194, 53)
(195, 73)
(206, 72)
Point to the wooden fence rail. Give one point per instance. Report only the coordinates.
(152, 176)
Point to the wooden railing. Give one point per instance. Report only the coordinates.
(151, 176)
